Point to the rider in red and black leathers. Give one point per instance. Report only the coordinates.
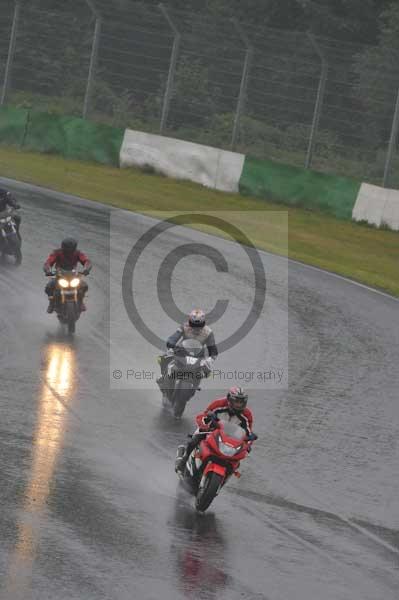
(231, 408)
(222, 410)
(66, 258)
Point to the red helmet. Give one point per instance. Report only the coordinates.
(196, 318)
(237, 399)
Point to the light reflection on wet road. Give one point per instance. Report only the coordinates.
(47, 444)
(90, 504)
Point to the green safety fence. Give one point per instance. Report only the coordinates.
(13, 125)
(57, 134)
(299, 187)
(73, 138)
(80, 139)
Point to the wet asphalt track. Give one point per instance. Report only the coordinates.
(90, 508)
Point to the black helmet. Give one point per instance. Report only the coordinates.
(69, 245)
(237, 399)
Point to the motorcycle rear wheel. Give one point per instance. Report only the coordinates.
(208, 492)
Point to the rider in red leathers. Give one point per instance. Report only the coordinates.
(231, 408)
(67, 257)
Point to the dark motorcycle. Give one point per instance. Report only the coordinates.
(218, 457)
(10, 242)
(186, 366)
(67, 302)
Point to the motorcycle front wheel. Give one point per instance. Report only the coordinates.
(71, 317)
(207, 493)
(181, 396)
(18, 256)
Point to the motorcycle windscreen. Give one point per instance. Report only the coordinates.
(192, 347)
(67, 272)
(233, 431)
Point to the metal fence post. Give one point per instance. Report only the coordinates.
(93, 58)
(319, 101)
(392, 143)
(11, 52)
(172, 69)
(244, 83)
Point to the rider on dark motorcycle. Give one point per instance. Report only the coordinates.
(231, 408)
(194, 328)
(7, 200)
(67, 257)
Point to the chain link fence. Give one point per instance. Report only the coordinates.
(289, 96)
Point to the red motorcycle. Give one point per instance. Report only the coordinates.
(218, 457)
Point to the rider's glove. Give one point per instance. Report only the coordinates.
(211, 419)
(86, 271)
(207, 364)
(47, 271)
(252, 437)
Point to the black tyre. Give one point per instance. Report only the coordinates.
(71, 317)
(181, 396)
(18, 256)
(207, 493)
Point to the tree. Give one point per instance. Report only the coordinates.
(192, 103)
(378, 75)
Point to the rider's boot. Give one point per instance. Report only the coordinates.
(161, 380)
(181, 459)
(161, 383)
(50, 307)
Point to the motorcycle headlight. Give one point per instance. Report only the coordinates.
(64, 283)
(228, 450)
(75, 282)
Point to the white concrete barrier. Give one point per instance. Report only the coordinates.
(378, 206)
(390, 215)
(208, 166)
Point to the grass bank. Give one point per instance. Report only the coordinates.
(362, 253)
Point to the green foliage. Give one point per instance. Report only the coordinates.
(52, 62)
(377, 70)
(192, 102)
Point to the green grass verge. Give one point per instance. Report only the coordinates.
(362, 253)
